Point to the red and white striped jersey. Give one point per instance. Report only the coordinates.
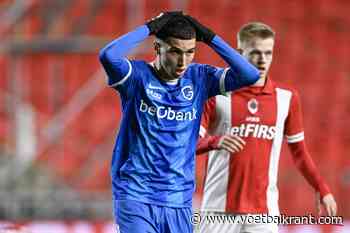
(246, 182)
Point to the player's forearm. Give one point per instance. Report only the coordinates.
(241, 72)
(121, 46)
(207, 143)
(113, 55)
(306, 166)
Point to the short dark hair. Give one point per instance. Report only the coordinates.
(178, 27)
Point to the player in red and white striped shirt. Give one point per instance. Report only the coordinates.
(251, 124)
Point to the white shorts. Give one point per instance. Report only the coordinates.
(216, 222)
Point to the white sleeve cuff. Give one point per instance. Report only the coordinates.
(295, 138)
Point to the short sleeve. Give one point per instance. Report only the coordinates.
(215, 80)
(127, 85)
(118, 72)
(294, 129)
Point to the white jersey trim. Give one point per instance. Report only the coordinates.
(125, 77)
(222, 81)
(218, 169)
(283, 102)
(295, 138)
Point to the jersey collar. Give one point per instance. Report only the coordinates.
(268, 88)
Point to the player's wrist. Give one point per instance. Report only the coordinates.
(323, 194)
(323, 190)
(214, 142)
(203, 33)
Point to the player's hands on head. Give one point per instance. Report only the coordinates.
(203, 33)
(157, 23)
(231, 143)
(328, 203)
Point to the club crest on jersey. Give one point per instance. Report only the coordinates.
(253, 106)
(187, 92)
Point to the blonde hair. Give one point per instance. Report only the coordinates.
(252, 30)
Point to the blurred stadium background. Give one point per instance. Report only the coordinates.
(58, 120)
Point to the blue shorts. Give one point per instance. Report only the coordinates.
(138, 217)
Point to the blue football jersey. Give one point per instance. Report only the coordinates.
(154, 155)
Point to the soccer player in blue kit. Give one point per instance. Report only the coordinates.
(153, 175)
